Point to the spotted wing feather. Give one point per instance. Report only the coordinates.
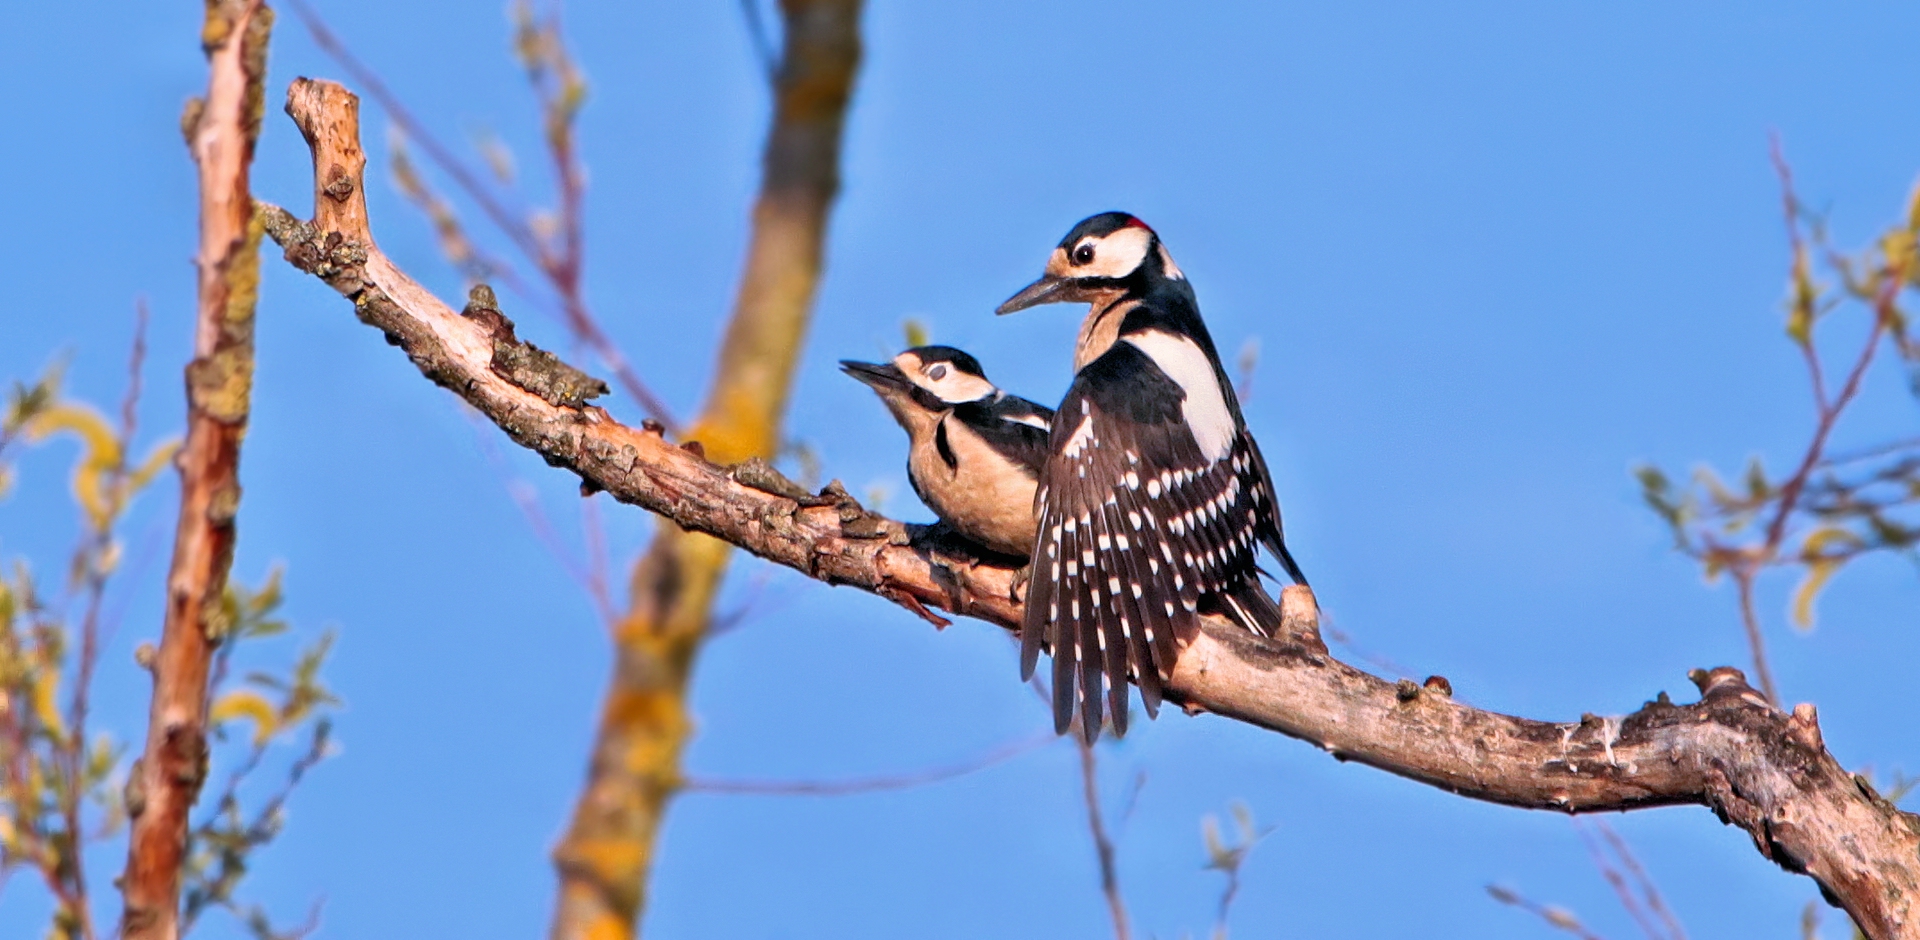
(1129, 500)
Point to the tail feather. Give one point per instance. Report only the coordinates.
(1252, 607)
(1286, 561)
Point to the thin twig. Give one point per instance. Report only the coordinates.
(1618, 882)
(1871, 453)
(1647, 887)
(1556, 917)
(1102, 846)
(1747, 563)
(858, 785)
(527, 500)
(95, 553)
(1756, 640)
(593, 531)
(762, 43)
(1790, 210)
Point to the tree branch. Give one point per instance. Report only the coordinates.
(1756, 767)
(165, 781)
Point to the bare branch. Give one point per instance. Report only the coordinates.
(1648, 890)
(1756, 767)
(1743, 577)
(221, 131)
(1617, 880)
(1559, 918)
(1102, 844)
(562, 269)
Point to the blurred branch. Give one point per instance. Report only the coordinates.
(605, 857)
(1766, 771)
(762, 43)
(1641, 900)
(1559, 918)
(1616, 862)
(1228, 858)
(53, 768)
(221, 132)
(94, 564)
(906, 781)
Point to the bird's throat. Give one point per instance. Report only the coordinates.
(1101, 329)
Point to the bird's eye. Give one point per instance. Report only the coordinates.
(1083, 254)
(937, 373)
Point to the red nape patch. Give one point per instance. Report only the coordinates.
(1136, 223)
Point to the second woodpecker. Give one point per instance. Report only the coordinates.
(974, 452)
(1155, 498)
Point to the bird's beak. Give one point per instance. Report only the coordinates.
(881, 377)
(1047, 290)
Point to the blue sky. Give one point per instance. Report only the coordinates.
(1494, 256)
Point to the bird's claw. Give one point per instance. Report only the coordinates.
(1017, 585)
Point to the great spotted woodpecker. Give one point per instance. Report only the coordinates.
(974, 452)
(1155, 498)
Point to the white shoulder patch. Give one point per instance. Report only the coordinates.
(1082, 436)
(1167, 265)
(1205, 409)
(1034, 421)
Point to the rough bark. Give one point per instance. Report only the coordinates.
(1757, 768)
(165, 781)
(604, 860)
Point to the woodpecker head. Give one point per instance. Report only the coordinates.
(1104, 253)
(924, 381)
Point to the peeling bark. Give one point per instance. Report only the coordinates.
(166, 779)
(1757, 768)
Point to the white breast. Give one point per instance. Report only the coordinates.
(1205, 408)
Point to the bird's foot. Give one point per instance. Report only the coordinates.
(1017, 585)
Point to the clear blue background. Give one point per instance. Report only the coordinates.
(1494, 255)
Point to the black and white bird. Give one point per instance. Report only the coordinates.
(1155, 497)
(974, 452)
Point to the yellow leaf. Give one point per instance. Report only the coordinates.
(1821, 564)
(46, 697)
(100, 452)
(1806, 298)
(916, 331)
(246, 703)
(1818, 574)
(1898, 246)
(1825, 537)
(1913, 210)
(150, 467)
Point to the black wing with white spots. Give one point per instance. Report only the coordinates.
(1138, 530)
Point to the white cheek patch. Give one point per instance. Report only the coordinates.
(958, 387)
(1166, 264)
(1205, 408)
(1118, 254)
